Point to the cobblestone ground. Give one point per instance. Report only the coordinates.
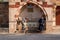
(29, 37)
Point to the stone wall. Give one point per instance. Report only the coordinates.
(13, 10)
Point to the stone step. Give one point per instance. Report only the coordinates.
(53, 29)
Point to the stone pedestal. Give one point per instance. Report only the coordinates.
(12, 27)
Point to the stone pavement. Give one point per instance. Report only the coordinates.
(30, 37)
